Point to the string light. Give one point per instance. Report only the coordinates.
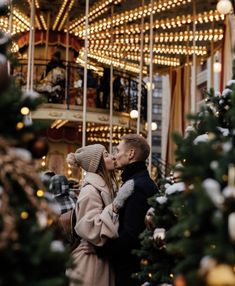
(24, 215)
(133, 49)
(40, 193)
(64, 10)
(129, 16)
(120, 64)
(95, 11)
(179, 21)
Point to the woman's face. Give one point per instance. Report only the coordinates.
(109, 161)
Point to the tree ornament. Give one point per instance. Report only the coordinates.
(206, 264)
(212, 188)
(180, 280)
(231, 226)
(159, 235)
(221, 275)
(57, 246)
(149, 219)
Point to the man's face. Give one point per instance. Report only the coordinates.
(121, 155)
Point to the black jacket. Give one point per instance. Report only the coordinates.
(131, 219)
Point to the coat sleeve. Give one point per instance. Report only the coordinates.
(95, 223)
(133, 224)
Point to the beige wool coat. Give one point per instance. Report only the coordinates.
(95, 223)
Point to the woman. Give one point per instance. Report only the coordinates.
(96, 220)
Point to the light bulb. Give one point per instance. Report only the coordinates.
(224, 6)
(154, 126)
(217, 66)
(134, 114)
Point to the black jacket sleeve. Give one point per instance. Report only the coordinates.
(131, 225)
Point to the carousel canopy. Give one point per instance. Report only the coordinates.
(180, 28)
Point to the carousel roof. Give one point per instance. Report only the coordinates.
(115, 33)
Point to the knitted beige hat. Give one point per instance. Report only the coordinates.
(87, 157)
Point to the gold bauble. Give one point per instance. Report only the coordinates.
(221, 275)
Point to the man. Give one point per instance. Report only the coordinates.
(131, 155)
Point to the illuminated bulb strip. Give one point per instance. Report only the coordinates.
(61, 11)
(43, 22)
(89, 66)
(14, 47)
(37, 4)
(38, 22)
(95, 11)
(38, 16)
(160, 49)
(204, 35)
(116, 63)
(167, 61)
(66, 14)
(17, 26)
(130, 16)
(179, 21)
(21, 17)
(104, 140)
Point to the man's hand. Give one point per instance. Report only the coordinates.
(123, 194)
(87, 247)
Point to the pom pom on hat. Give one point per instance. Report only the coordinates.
(87, 157)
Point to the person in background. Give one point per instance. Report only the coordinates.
(131, 155)
(95, 220)
(73, 186)
(46, 178)
(59, 187)
(55, 62)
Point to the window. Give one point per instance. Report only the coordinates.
(157, 109)
(156, 140)
(157, 93)
(159, 124)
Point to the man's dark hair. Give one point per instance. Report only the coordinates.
(140, 145)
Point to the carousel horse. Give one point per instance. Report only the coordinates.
(53, 85)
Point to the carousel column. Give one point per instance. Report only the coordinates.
(194, 66)
(111, 89)
(30, 51)
(141, 71)
(212, 58)
(47, 34)
(85, 77)
(67, 64)
(150, 90)
(10, 31)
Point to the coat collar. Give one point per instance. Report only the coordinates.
(98, 182)
(133, 168)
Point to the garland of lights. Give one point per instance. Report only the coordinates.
(179, 21)
(130, 16)
(96, 10)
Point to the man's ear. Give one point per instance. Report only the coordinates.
(131, 154)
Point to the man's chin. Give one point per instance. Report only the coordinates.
(118, 167)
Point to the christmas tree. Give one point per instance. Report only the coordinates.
(31, 249)
(197, 239)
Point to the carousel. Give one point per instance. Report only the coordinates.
(95, 63)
